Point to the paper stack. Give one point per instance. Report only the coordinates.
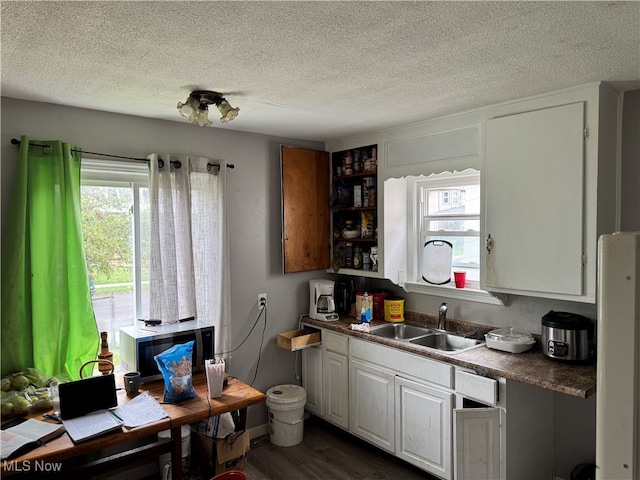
(215, 376)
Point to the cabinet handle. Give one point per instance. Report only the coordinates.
(489, 244)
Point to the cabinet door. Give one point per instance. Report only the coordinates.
(312, 379)
(336, 389)
(305, 209)
(477, 443)
(423, 426)
(534, 195)
(372, 410)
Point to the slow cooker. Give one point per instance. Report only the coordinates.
(566, 336)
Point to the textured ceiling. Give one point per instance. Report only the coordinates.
(313, 70)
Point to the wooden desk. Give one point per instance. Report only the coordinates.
(55, 455)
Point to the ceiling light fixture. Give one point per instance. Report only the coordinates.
(196, 108)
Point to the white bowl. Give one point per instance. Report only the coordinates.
(509, 340)
(351, 233)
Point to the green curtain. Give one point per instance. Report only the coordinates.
(47, 315)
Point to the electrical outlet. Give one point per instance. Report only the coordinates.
(262, 301)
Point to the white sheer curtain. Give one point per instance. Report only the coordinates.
(189, 272)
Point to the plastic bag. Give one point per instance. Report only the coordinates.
(176, 368)
(26, 391)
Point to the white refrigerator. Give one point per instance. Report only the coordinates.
(618, 358)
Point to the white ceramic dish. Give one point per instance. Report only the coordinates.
(351, 233)
(509, 340)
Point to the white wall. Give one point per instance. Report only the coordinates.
(254, 214)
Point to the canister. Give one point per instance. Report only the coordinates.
(378, 303)
(394, 309)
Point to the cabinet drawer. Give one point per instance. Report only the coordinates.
(477, 387)
(334, 342)
(403, 363)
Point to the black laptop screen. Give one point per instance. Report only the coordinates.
(88, 395)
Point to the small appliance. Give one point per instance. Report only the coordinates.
(321, 302)
(566, 336)
(139, 346)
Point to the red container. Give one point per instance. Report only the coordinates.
(230, 475)
(378, 303)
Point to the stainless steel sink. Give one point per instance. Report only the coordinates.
(447, 342)
(399, 331)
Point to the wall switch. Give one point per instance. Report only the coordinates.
(262, 301)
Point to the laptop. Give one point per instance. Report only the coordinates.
(85, 407)
(87, 395)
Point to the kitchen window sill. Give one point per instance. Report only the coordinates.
(449, 291)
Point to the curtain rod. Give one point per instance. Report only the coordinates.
(177, 164)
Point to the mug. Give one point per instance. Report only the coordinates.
(132, 383)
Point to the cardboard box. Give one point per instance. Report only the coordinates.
(212, 457)
(299, 339)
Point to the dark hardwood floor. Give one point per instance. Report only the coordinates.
(326, 453)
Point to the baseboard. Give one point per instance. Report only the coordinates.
(259, 431)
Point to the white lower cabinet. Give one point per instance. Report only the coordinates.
(336, 388)
(446, 420)
(423, 426)
(372, 407)
(325, 378)
(477, 443)
(312, 379)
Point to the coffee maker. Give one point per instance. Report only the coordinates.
(321, 303)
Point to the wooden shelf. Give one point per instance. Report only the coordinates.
(357, 239)
(372, 173)
(355, 209)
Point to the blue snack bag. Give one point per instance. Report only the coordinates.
(176, 367)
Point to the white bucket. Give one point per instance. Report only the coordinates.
(286, 414)
(164, 460)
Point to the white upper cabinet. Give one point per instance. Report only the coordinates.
(549, 189)
(534, 181)
(548, 176)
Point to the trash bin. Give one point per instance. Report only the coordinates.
(286, 414)
(164, 460)
(584, 471)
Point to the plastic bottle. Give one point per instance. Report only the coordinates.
(365, 312)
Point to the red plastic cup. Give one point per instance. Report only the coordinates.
(460, 278)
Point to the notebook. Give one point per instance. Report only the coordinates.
(85, 407)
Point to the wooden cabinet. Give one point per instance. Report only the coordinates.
(354, 208)
(305, 209)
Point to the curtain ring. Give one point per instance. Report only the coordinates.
(97, 361)
(46, 149)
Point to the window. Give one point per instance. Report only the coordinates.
(115, 225)
(449, 209)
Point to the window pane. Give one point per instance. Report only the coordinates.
(466, 254)
(143, 298)
(453, 225)
(108, 239)
(466, 200)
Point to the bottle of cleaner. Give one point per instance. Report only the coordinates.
(365, 311)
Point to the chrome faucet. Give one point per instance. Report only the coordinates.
(442, 316)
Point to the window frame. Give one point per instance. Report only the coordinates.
(413, 282)
(122, 173)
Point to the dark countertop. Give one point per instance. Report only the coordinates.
(531, 367)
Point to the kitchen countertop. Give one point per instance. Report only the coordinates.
(531, 367)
